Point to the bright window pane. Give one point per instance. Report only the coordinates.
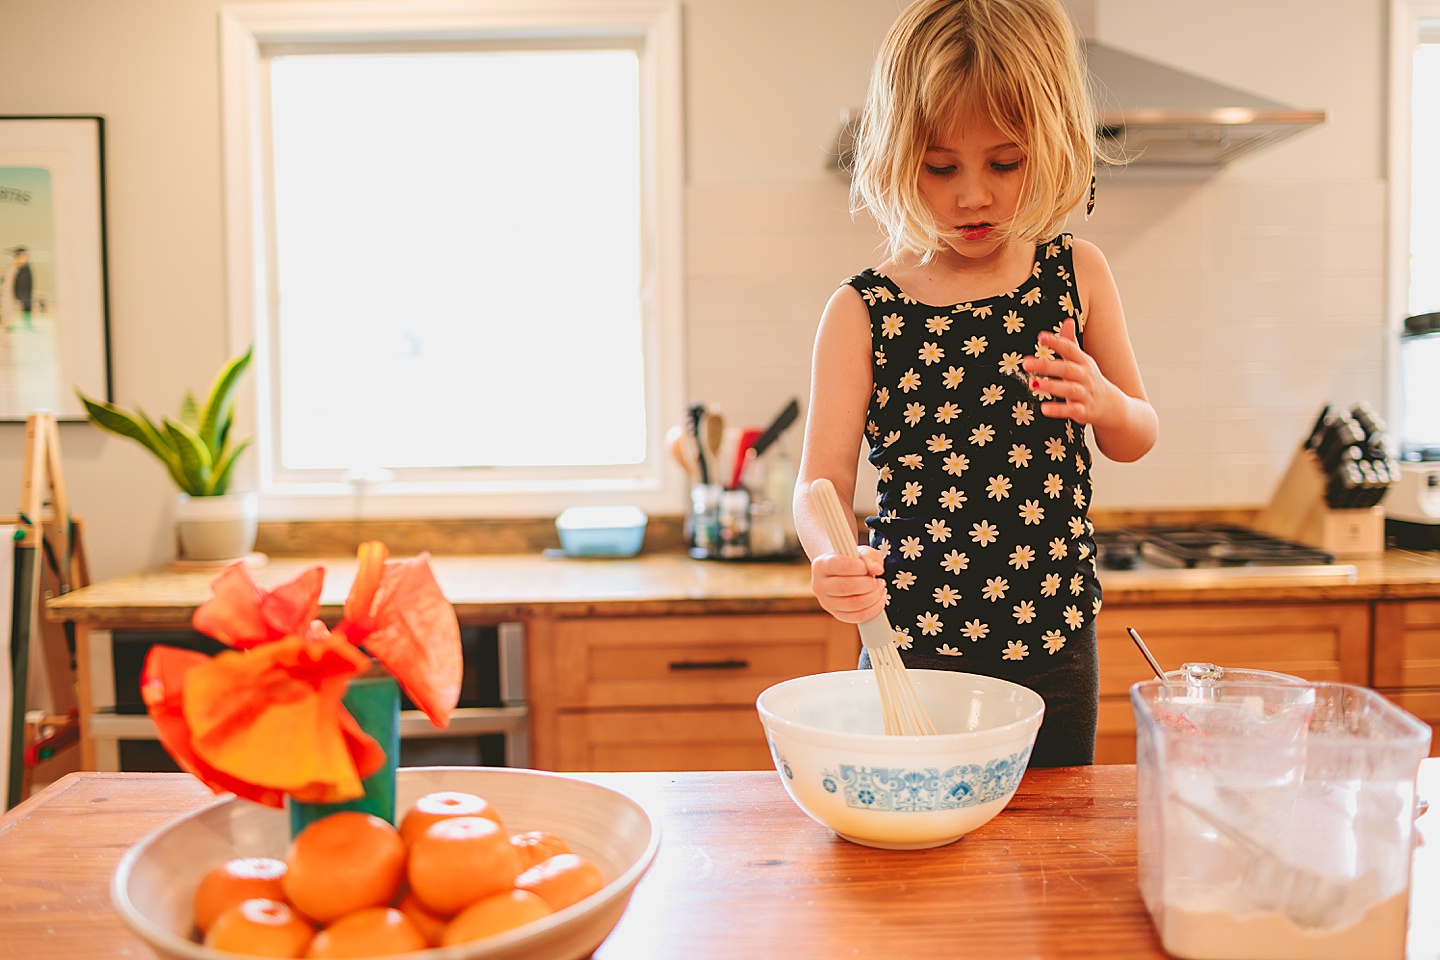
(1424, 185)
(458, 259)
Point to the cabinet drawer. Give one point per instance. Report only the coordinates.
(721, 738)
(688, 661)
(1115, 731)
(1407, 643)
(1424, 704)
(1320, 642)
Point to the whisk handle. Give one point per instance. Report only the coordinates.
(838, 530)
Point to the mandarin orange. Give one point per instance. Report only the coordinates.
(343, 863)
(237, 879)
(460, 860)
(260, 928)
(561, 880)
(494, 914)
(371, 932)
(428, 922)
(536, 845)
(442, 805)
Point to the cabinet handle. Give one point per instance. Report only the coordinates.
(731, 664)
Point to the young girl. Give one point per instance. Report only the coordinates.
(973, 360)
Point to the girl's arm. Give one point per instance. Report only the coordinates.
(1099, 385)
(840, 385)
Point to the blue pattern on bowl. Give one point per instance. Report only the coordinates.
(905, 791)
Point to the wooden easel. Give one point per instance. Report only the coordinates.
(48, 552)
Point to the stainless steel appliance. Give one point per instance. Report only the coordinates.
(1202, 547)
(1412, 510)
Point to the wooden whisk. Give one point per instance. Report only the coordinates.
(903, 712)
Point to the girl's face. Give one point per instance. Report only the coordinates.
(970, 181)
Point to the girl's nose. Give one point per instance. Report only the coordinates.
(972, 192)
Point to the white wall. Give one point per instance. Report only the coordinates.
(1254, 295)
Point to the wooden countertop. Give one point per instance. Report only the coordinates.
(513, 587)
(741, 873)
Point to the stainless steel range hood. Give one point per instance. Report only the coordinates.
(1161, 116)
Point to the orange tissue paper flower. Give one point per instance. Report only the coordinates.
(266, 719)
(396, 611)
(242, 614)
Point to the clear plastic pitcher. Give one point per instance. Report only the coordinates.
(1276, 817)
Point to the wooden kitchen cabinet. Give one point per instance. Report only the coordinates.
(1407, 658)
(667, 692)
(1314, 641)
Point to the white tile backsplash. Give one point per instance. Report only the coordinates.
(1251, 304)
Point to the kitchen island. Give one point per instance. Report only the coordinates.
(654, 663)
(741, 873)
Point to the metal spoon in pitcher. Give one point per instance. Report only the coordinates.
(1154, 664)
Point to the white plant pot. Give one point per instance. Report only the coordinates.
(217, 528)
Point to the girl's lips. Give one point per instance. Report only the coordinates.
(977, 231)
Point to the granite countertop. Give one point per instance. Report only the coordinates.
(517, 586)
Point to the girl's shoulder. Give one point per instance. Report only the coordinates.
(1088, 259)
(875, 286)
(869, 277)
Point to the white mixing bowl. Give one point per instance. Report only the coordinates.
(827, 738)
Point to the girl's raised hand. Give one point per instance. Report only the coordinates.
(846, 587)
(1081, 391)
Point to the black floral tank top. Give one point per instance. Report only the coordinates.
(983, 500)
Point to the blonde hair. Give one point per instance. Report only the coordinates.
(1017, 63)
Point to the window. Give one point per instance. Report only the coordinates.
(453, 239)
(1414, 158)
(1424, 296)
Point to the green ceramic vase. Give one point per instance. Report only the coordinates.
(374, 701)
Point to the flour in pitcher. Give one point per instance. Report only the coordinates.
(1219, 935)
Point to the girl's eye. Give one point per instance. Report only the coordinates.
(939, 171)
(1006, 167)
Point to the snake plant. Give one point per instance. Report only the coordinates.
(197, 448)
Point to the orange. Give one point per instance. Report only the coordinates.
(537, 845)
(371, 932)
(343, 863)
(432, 925)
(260, 928)
(442, 805)
(241, 878)
(495, 914)
(460, 860)
(562, 880)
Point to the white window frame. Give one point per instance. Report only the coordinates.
(1406, 19)
(246, 31)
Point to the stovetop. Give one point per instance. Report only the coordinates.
(1202, 546)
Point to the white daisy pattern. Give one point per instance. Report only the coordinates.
(983, 499)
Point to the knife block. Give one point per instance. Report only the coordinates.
(1298, 512)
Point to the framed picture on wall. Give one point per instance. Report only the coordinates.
(54, 297)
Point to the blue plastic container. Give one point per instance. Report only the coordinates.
(601, 531)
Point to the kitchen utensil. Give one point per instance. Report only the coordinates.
(900, 793)
(781, 423)
(1154, 664)
(681, 451)
(155, 882)
(1309, 898)
(712, 438)
(744, 448)
(903, 712)
(696, 423)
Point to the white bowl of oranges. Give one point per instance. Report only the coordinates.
(486, 864)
